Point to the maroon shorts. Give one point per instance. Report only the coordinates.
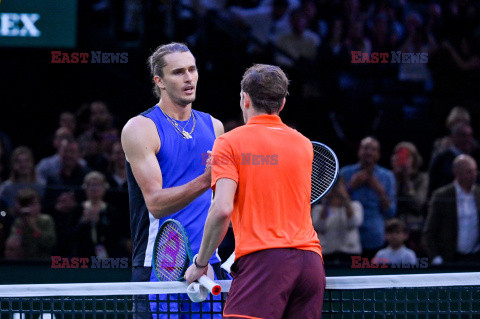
(277, 283)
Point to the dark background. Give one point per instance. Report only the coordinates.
(34, 91)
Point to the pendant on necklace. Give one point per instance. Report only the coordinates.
(186, 134)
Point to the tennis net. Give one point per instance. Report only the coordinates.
(392, 296)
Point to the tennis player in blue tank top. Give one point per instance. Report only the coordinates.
(166, 147)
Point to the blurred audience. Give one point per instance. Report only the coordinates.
(412, 188)
(356, 39)
(419, 42)
(96, 141)
(52, 165)
(374, 187)
(336, 221)
(22, 176)
(263, 22)
(117, 173)
(71, 171)
(117, 193)
(452, 228)
(383, 38)
(68, 121)
(440, 172)
(467, 58)
(97, 232)
(396, 234)
(14, 249)
(35, 230)
(299, 42)
(458, 114)
(333, 83)
(65, 214)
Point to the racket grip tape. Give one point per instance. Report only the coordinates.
(211, 285)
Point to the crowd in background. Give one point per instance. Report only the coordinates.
(66, 195)
(73, 202)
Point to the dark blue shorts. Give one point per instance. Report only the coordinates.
(140, 304)
(277, 283)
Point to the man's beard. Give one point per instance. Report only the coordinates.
(185, 102)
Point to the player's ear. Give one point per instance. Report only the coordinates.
(283, 105)
(246, 99)
(159, 82)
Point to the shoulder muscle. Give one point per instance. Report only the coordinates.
(217, 126)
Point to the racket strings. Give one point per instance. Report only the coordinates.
(324, 171)
(170, 253)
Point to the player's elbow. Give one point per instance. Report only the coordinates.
(223, 210)
(155, 207)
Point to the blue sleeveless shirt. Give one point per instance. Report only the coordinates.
(181, 160)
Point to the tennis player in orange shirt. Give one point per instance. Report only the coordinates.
(261, 175)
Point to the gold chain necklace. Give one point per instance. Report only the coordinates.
(174, 123)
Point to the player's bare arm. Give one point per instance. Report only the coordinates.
(141, 143)
(218, 127)
(216, 225)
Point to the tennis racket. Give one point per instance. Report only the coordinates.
(172, 256)
(324, 171)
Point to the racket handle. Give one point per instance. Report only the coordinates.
(211, 285)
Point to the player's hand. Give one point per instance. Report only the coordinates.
(193, 273)
(207, 175)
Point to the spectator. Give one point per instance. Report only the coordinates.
(335, 44)
(356, 39)
(396, 253)
(97, 231)
(263, 22)
(333, 58)
(383, 39)
(465, 59)
(22, 176)
(100, 120)
(98, 137)
(299, 42)
(65, 214)
(374, 187)
(117, 194)
(14, 249)
(351, 10)
(452, 230)
(412, 188)
(417, 41)
(440, 172)
(336, 222)
(434, 23)
(117, 173)
(71, 172)
(458, 114)
(310, 10)
(52, 165)
(36, 230)
(68, 121)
